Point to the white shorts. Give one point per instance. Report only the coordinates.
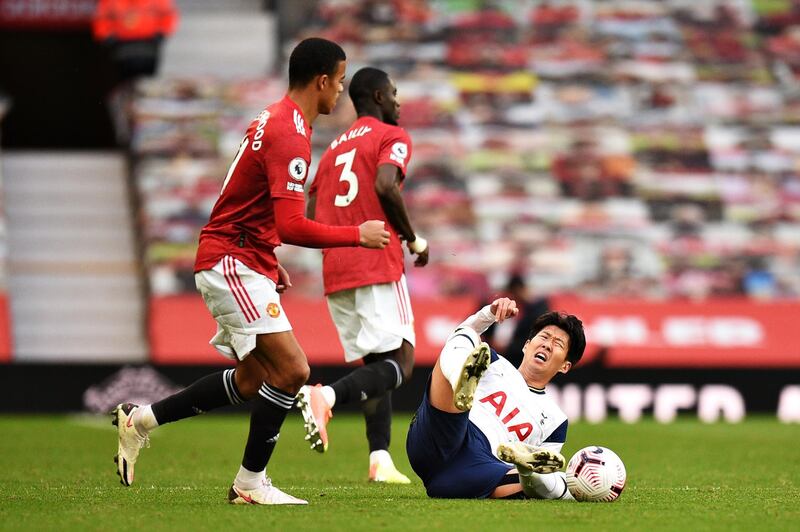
(243, 302)
(372, 319)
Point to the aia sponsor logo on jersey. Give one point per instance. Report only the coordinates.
(520, 427)
(299, 124)
(273, 310)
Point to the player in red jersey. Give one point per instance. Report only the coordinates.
(360, 177)
(261, 205)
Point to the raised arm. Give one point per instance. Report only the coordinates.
(496, 312)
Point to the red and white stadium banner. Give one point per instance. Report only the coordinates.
(47, 14)
(729, 333)
(736, 333)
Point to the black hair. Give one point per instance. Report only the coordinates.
(364, 84)
(569, 324)
(311, 58)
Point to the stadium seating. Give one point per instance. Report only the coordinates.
(602, 148)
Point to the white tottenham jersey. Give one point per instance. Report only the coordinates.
(506, 410)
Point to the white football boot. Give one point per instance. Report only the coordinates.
(530, 458)
(383, 470)
(316, 414)
(130, 441)
(266, 493)
(474, 367)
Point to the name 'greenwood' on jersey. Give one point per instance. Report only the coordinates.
(272, 162)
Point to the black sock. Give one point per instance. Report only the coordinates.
(210, 392)
(378, 415)
(269, 409)
(368, 381)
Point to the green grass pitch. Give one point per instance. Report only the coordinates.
(57, 473)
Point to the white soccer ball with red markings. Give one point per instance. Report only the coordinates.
(596, 474)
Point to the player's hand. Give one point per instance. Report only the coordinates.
(419, 247)
(503, 308)
(373, 234)
(284, 283)
(422, 257)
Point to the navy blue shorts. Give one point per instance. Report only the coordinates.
(451, 455)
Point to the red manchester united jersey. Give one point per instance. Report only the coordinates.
(272, 162)
(345, 195)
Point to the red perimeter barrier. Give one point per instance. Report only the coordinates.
(729, 333)
(5, 329)
(180, 327)
(718, 333)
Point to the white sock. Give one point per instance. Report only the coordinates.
(329, 395)
(249, 480)
(144, 420)
(546, 486)
(380, 457)
(455, 353)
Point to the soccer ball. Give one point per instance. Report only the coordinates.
(595, 474)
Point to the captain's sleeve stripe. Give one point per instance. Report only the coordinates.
(560, 434)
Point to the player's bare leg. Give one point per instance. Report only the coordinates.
(269, 377)
(279, 368)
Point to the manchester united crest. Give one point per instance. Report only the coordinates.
(273, 310)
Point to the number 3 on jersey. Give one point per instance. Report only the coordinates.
(349, 176)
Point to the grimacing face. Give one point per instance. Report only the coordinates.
(546, 354)
(333, 89)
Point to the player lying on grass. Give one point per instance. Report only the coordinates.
(480, 415)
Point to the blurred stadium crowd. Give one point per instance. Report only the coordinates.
(607, 148)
